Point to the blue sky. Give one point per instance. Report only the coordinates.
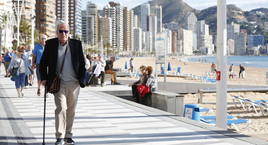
(198, 4)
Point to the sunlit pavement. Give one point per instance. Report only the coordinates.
(103, 119)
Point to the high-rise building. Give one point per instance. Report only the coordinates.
(46, 17)
(266, 26)
(128, 29)
(185, 42)
(240, 40)
(157, 11)
(255, 41)
(153, 29)
(232, 29)
(191, 22)
(144, 13)
(105, 30)
(168, 39)
(204, 40)
(115, 12)
(90, 25)
(6, 24)
(147, 42)
(137, 40)
(174, 42)
(74, 15)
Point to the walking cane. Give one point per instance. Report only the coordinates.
(44, 118)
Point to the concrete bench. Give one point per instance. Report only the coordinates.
(107, 79)
(168, 101)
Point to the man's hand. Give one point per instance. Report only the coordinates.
(43, 82)
(33, 66)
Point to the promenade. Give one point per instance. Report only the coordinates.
(103, 119)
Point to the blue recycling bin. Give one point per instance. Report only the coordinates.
(191, 111)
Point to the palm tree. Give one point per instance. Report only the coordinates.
(107, 45)
(25, 30)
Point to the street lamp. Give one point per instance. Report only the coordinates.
(221, 102)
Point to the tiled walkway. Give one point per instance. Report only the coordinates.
(101, 119)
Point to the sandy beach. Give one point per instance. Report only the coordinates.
(258, 125)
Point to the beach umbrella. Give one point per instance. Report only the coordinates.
(169, 67)
(125, 65)
(179, 70)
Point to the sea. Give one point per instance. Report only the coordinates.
(247, 61)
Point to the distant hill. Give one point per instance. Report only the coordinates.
(173, 10)
(177, 11)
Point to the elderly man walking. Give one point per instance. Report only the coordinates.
(63, 56)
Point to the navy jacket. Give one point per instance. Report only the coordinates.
(49, 60)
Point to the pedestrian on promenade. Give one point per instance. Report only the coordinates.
(19, 68)
(37, 54)
(110, 70)
(28, 77)
(65, 56)
(241, 71)
(131, 65)
(7, 59)
(142, 80)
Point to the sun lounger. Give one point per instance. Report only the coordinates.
(231, 121)
(259, 106)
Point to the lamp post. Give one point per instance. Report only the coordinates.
(18, 22)
(32, 32)
(221, 103)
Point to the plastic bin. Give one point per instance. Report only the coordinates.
(191, 111)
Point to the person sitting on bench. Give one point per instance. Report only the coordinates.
(109, 70)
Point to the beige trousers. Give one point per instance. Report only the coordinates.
(65, 101)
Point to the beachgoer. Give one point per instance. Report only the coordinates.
(213, 68)
(241, 71)
(231, 74)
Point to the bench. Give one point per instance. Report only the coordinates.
(107, 79)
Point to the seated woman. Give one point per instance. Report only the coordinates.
(150, 82)
(142, 80)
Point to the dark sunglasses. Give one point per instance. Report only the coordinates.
(63, 31)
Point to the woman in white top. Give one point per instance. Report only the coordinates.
(20, 67)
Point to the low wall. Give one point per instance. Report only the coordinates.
(168, 101)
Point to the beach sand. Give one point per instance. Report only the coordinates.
(258, 126)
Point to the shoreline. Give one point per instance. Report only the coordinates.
(254, 76)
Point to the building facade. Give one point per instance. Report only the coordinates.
(7, 21)
(46, 17)
(74, 15)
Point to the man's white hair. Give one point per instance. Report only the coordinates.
(60, 22)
